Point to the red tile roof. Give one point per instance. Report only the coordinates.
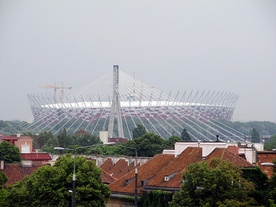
(119, 169)
(118, 140)
(233, 149)
(126, 184)
(35, 156)
(15, 172)
(165, 171)
(107, 165)
(80, 132)
(224, 154)
(266, 157)
(106, 178)
(174, 170)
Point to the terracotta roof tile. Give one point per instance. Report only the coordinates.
(35, 156)
(119, 169)
(233, 149)
(165, 171)
(264, 157)
(145, 173)
(224, 154)
(15, 172)
(174, 170)
(107, 165)
(106, 178)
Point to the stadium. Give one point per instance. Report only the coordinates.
(118, 102)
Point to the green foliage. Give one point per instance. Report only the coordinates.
(50, 185)
(62, 139)
(271, 191)
(105, 150)
(43, 138)
(10, 127)
(185, 136)
(84, 140)
(9, 153)
(169, 143)
(255, 136)
(3, 195)
(259, 179)
(147, 145)
(156, 198)
(216, 184)
(271, 144)
(3, 179)
(139, 131)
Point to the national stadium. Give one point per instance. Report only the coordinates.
(118, 102)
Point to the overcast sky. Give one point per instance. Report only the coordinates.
(172, 45)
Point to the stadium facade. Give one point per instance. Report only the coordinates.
(118, 102)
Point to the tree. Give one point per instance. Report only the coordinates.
(3, 179)
(139, 131)
(169, 143)
(185, 136)
(218, 184)
(271, 192)
(50, 185)
(62, 138)
(255, 136)
(271, 144)
(155, 198)
(84, 140)
(43, 138)
(9, 153)
(259, 179)
(147, 145)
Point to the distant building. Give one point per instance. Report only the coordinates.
(131, 102)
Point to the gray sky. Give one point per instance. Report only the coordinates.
(173, 45)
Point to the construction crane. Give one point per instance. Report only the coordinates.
(55, 87)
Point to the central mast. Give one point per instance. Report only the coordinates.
(115, 111)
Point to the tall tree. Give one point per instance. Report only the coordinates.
(139, 131)
(147, 145)
(62, 138)
(271, 144)
(185, 136)
(169, 143)
(255, 136)
(50, 185)
(84, 139)
(9, 153)
(216, 184)
(272, 187)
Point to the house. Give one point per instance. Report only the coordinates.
(30, 160)
(247, 150)
(164, 171)
(27, 153)
(126, 184)
(265, 161)
(170, 177)
(16, 171)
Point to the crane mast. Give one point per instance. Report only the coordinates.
(55, 87)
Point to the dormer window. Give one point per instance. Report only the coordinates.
(168, 177)
(127, 181)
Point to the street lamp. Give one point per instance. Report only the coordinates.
(74, 171)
